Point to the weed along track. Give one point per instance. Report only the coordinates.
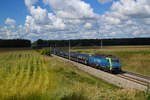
(116, 79)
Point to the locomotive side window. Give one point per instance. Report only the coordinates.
(115, 60)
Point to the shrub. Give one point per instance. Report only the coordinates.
(45, 51)
(148, 93)
(74, 96)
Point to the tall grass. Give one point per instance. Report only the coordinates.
(26, 75)
(148, 93)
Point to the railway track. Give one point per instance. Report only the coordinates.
(139, 75)
(138, 78)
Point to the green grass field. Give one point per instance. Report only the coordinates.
(27, 75)
(133, 58)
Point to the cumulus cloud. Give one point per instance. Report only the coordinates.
(41, 20)
(69, 18)
(71, 8)
(10, 21)
(29, 3)
(127, 18)
(88, 25)
(145, 21)
(40, 15)
(133, 8)
(112, 20)
(104, 1)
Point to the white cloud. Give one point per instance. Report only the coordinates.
(10, 21)
(104, 1)
(74, 21)
(145, 21)
(40, 15)
(88, 25)
(29, 3)
(127, 18)
(41, 21)
(113, 20)
(132, 8)
(130, 22)
(70, 18)
(71, 8)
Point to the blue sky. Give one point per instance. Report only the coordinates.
(74, 19)
(17, 10)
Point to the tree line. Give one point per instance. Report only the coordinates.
(19, 43)
(14, 43)
(91, 42)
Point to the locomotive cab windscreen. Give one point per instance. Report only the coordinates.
(115, 62)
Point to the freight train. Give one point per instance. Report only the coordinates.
(104, 62)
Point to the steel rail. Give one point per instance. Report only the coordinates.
(133, 79)
(137, 74)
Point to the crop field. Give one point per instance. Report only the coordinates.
(133, 58)
(27, 75)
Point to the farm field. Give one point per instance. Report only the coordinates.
(133, 58)
(27, 75)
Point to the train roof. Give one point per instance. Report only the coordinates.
(79, 54)
(83, 54)
(104, 55)
(74, 53)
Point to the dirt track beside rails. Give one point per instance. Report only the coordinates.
(110, 78)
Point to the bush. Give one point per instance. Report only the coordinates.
(45, 51)
(74, 96)
(148, 93)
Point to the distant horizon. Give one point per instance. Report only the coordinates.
(77, 39)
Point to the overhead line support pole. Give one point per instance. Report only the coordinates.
(69, 49)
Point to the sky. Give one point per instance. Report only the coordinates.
(74, 19)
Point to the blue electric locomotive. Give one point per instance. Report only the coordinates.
(105, 62)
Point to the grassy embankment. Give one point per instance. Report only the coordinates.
(27, 75)
(133, 58)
